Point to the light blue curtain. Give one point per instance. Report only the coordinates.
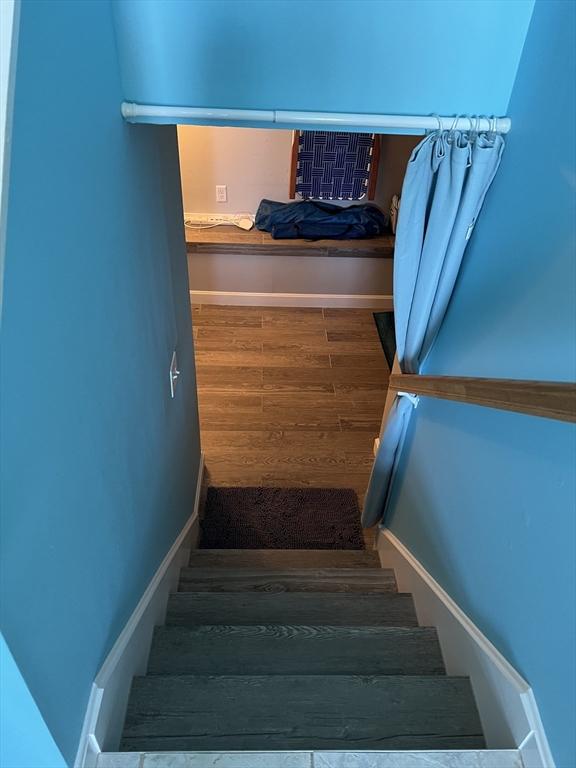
(446, 181)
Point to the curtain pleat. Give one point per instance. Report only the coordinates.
(386, 461)
(446, 181)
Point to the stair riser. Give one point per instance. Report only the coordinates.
(384, 610)
(368, 581)
(300, 712)
(222, 650)
(183, 743)
(283, 558)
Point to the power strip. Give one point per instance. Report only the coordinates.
(242, 220)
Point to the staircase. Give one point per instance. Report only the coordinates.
(296, 650)
(299, 652)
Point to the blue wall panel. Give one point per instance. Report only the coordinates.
(363, 56)
(486, 500)
(98, 463)
(25, 740)
(514, 314)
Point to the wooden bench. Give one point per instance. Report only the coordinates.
(233, 240)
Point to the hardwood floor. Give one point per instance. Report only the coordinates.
(289, 396)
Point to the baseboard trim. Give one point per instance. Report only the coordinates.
(129, 655)
(332, 300)
(506, 703)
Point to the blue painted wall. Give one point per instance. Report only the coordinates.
(98, 463)
(362, 56)
(486, 500)
(21, 722)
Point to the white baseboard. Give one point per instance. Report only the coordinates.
(506, 703)
(342, 301)
(106, 709)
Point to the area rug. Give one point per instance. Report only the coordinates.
(281, 518)
(386, 330)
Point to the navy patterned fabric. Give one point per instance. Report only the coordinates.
(333, 165)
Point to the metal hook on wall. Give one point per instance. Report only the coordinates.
(414, 399)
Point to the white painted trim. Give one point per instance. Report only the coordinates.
(508, 709)
(129, 654)
(342, 301)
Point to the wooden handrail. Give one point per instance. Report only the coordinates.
(550, 399)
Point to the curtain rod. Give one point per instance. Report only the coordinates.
(136, 113)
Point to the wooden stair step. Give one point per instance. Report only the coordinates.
(287, 650)
(367, 580)
(284, 558)
(307, 608)
(196, 712)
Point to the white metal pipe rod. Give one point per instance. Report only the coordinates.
(132, 113)
(137, 112)
(411, 122)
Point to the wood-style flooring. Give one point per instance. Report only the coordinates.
(289, 396)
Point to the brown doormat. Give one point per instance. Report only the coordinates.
(281, 518)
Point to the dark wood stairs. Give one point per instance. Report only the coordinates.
(296, 650)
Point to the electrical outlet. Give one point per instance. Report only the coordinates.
(221, 193)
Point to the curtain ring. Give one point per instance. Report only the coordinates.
(439, 129)
(489, 123)
(471, 132)
(439, 145)
(478, 121)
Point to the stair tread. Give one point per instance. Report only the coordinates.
(300, 712)
(287, 580)
(288, 649)
(308, 608)
(285, 558)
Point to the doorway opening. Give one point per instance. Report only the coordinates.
(291, 371)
